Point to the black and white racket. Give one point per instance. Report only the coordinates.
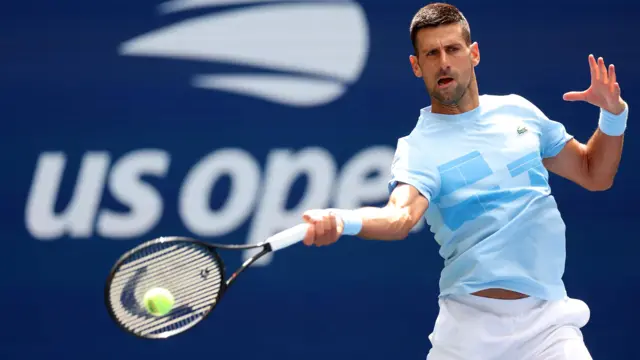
(191, 270)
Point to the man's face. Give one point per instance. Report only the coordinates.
(445, 62)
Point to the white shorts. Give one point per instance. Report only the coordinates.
(476, 328)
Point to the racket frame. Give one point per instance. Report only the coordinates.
(212, 248)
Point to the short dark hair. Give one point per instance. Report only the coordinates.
(437, 14)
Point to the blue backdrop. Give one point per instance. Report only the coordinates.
(223, 120)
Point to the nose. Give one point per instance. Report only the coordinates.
(444, 61)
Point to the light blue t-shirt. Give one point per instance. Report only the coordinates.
(490, 205)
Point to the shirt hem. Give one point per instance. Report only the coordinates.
(543, 292)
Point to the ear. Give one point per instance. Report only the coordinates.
(475, 54)
(415, 66)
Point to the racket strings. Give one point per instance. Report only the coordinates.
(177, 282)
(188, 270)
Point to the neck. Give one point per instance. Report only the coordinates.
(469, 101)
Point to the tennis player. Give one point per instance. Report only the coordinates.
(477, 168)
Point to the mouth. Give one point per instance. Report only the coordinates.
(445, 81)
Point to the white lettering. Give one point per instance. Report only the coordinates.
(362, 181)
(143, 199)
(196, 192)
(78, 217)
(355, 187)
(283, 168)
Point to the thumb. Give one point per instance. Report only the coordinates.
(310, 216)
(309, 237)
(339, 223)
(575, 96)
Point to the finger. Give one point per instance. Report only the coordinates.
(612, 78)
(339, 225)
(574, 96)
(328, 234)
(602, 69)
(307, 217)
(593, 67)
(320, 227)
(309, 237)
(328, 226)
(329, 229)
(333, 226)
(312, 216)
(616, 89)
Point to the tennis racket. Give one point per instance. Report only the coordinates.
(191, 270)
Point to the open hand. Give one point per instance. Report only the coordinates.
(604, 91)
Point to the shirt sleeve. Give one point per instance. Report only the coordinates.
(411, 167)
(553, 134)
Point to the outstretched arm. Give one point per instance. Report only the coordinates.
(392, 222)
(594, 165)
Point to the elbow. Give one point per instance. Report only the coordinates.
(404, 227)
(600, 185)
(397, 232)
(403, 234)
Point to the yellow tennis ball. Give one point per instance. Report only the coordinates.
(158, 301)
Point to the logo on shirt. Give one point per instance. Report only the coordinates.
(522, 129)
(294, 53)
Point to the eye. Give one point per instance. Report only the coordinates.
(453, 49)
(432, 53)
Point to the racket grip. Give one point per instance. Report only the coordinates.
(288, 237)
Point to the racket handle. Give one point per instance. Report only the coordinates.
(288, 237)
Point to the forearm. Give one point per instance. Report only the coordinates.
(386, 223)
(604, 149)
(392, 222)
(603, 154)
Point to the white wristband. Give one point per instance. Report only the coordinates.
(351, 220)
(613, 125)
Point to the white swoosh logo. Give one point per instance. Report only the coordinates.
(285, 37)
(181, 5)
(302, 92)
